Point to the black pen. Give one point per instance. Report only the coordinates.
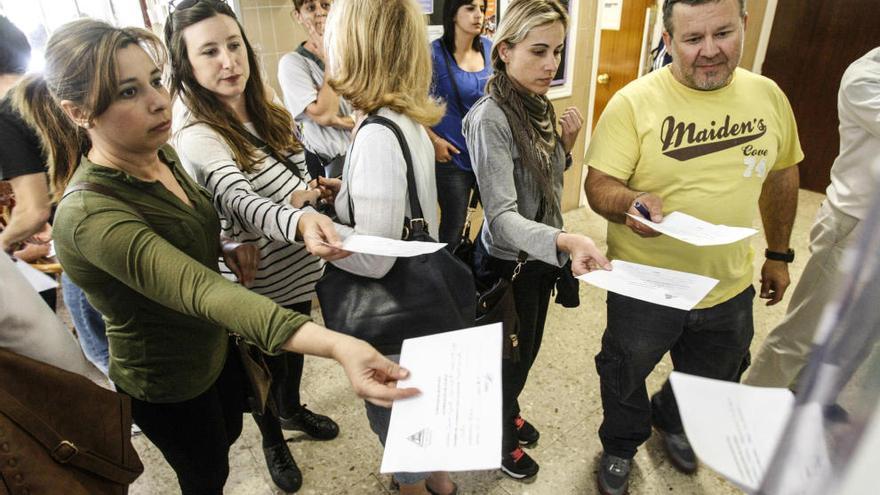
(642, 209)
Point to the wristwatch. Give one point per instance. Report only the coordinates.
(787, 256)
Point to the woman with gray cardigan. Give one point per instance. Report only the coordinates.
(519, 159)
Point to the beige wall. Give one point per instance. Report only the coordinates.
(756, 9)
(580, 94)
(272, 32)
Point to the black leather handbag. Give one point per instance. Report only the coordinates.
(464, 250)
(419, 296)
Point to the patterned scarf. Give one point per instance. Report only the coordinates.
(532, 121)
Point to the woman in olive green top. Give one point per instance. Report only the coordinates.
(146, 255)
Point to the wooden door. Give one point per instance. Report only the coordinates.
(811, 45)
(619, 53)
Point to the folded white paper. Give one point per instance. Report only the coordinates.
(382, 246)
(671, 288)
(455, 424)
(695, 231)
(38, 280)
(735, 429)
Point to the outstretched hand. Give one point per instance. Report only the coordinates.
(320, 237)
(373, 376)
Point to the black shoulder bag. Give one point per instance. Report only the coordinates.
(419, 296)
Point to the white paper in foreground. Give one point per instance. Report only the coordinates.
(733, 428)
(695, 231)
(38, 280)
(382, 246)
(671, 288)
(455, 424)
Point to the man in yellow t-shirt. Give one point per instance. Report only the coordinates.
(705, 138)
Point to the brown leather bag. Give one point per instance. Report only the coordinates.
(61, 433)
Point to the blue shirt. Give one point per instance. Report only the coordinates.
(471, 87)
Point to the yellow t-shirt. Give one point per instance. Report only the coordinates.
(705, 153)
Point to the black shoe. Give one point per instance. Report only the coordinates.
(526, 433)
(679, 450)
(519, 465)
(282, 468)
(613, 474)
(317, 426)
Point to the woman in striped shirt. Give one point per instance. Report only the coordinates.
(238, 143)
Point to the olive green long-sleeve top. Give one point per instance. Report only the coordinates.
(149, 265)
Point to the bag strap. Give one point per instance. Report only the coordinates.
(61, 450)
(265, 148)
(417, 222)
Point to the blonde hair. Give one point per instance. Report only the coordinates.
(379, 57)
(80, 67)
(519, 18)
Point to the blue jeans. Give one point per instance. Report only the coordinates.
(709, 342)
(89, 325)
(454, 187)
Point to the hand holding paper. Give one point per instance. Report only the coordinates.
(455, 424)
(695, 231)
(671, 288)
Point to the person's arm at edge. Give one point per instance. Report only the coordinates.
(778, 205)
(32, 209)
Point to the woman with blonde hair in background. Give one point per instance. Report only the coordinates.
(142, 241)
(519, 158)
(379, 61)
(239, 145)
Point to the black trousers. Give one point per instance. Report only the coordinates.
(194, 436)
(710, 342)
(531, 291)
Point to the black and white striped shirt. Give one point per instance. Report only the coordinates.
(253, 207)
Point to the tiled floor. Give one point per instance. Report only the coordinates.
(561, 399)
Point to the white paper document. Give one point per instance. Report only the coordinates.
(733, 428)
(695, 231)
(38, 280)
(671, 288)
(455, 424)
(382, 246)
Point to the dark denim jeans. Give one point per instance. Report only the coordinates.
(454, 187)
(710, 342)
(531, 291)
(89, 325)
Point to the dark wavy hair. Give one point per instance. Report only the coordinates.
(272, 122)
(15, 51)
(449, 11)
